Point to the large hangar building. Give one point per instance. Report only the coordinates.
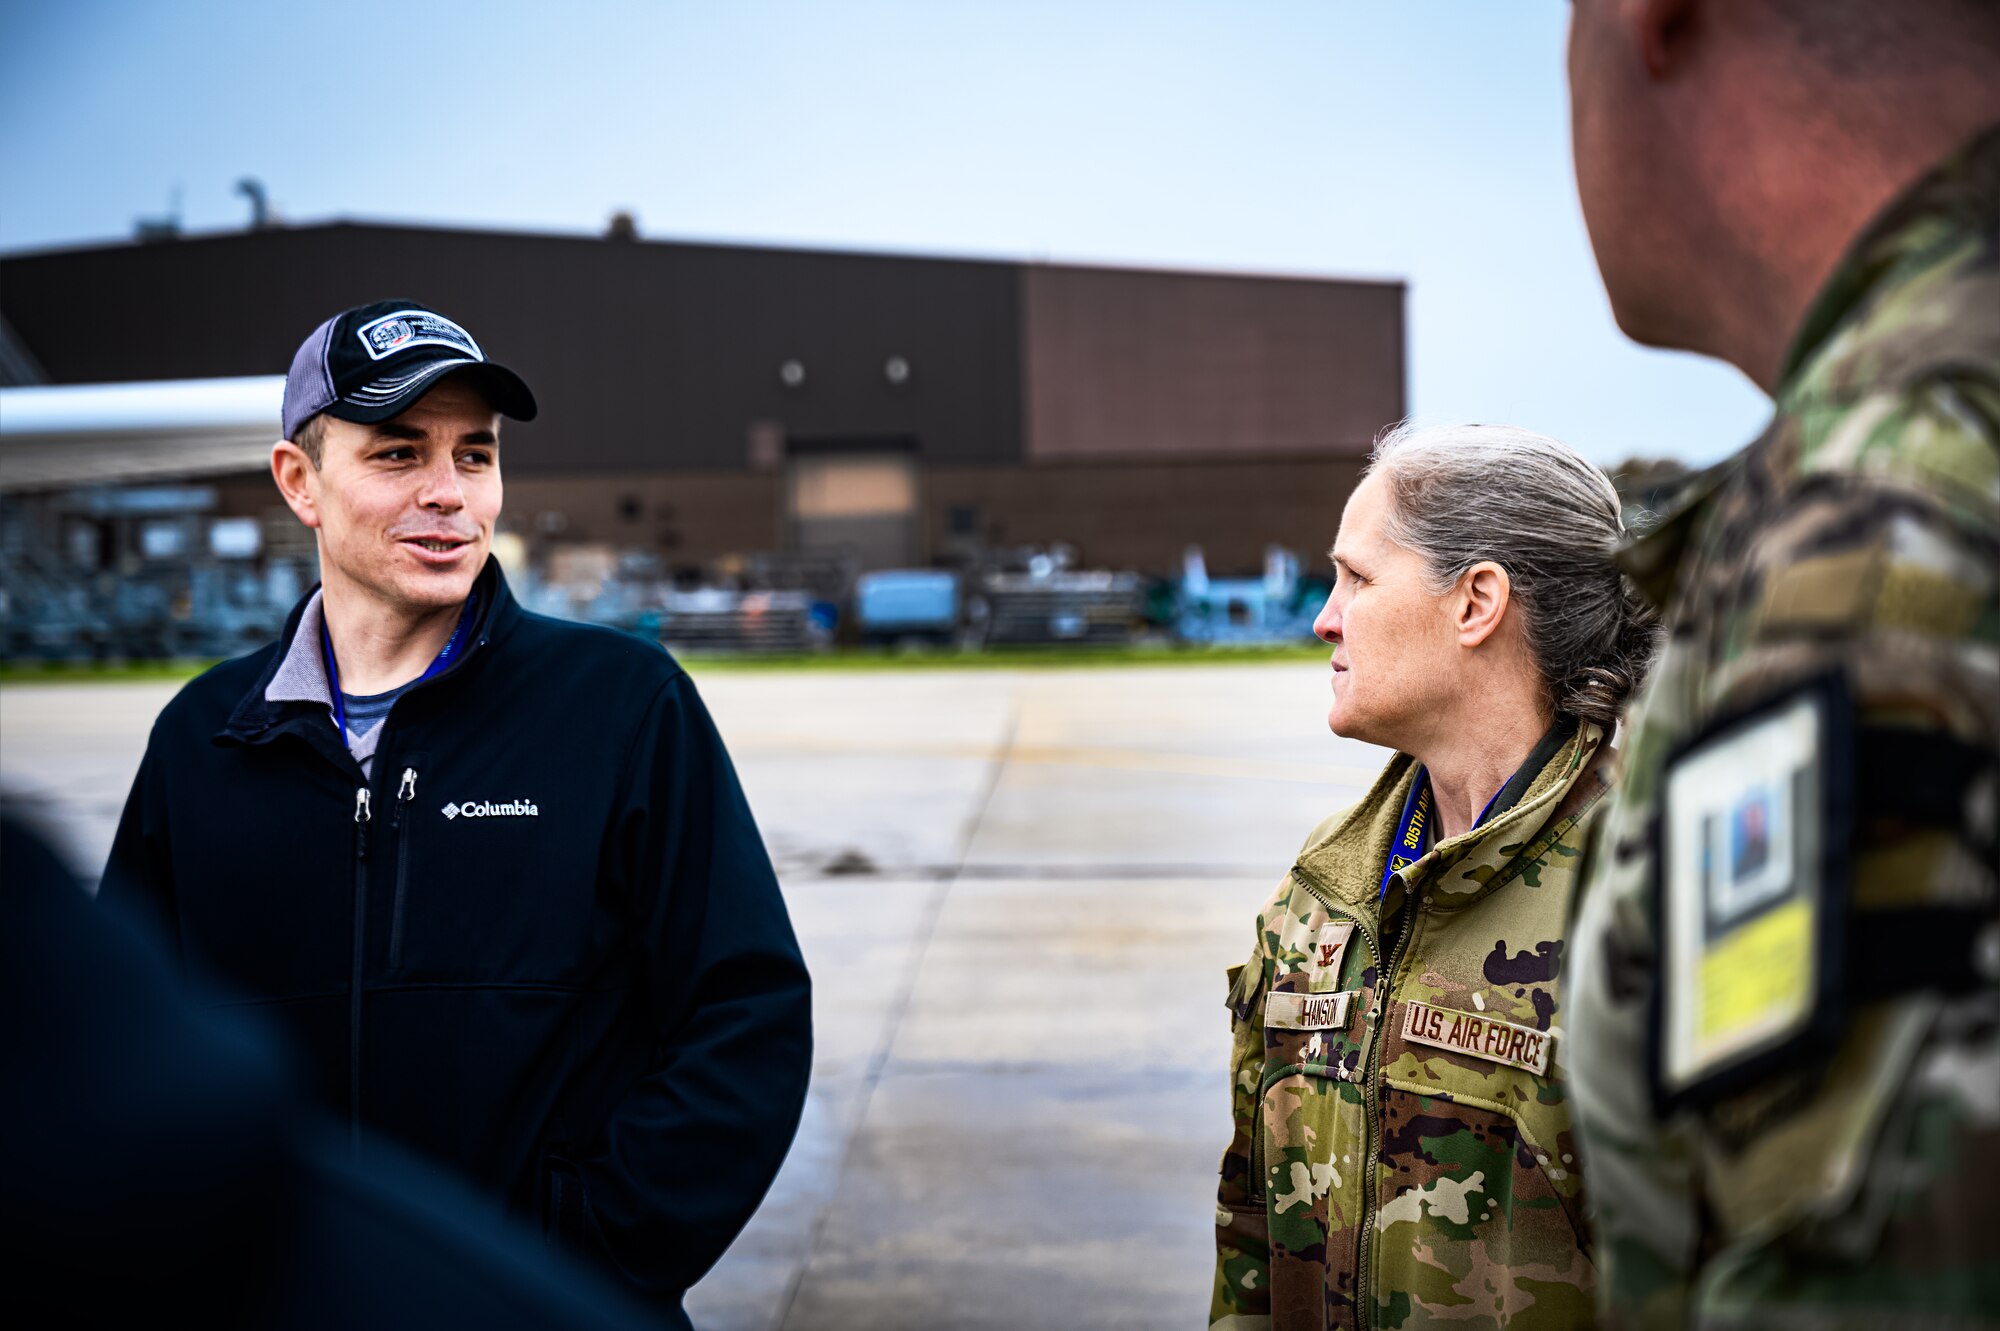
(700, 401)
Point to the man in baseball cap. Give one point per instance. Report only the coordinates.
(492, 872)
(372, 362)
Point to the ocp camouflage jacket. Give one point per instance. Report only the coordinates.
(1402, 1146)
(1860, 534)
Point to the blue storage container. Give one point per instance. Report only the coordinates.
(906, 602)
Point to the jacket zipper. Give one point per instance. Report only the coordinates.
(1371, 1061)
(1364, 1307)
(362, 816)
(1256, 1189)
(399, 820)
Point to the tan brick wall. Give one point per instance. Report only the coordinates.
(1148, 365)
(688, 517)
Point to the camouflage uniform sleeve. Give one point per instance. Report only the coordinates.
(1878, 555)
(1241, 1298)
(1864, 534)
(1641, 1179)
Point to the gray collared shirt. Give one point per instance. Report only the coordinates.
(302, 677)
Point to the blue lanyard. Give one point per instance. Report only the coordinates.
(454, 647)
(1413, 832)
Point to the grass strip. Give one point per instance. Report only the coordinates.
(715, 663)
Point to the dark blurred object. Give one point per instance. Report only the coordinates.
(141, 573)
(156, 1160)
(252, 189)
(1649, 488)
(716, 619)
(165, 227)
(18, 367)
(1037, 597)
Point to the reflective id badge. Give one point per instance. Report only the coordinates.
(1751, 893)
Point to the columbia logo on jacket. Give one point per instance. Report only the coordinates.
(488, 809)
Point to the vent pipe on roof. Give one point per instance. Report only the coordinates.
(623, 226)
(161, 228)
(260, 203)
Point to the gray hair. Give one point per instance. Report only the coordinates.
(1461, 494)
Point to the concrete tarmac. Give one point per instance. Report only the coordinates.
(1017, 891)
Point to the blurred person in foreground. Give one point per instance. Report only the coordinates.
(1403, 1148)
(161, 1168)
(491, 872)
(1785, 994)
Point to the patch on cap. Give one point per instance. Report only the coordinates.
(414, 328)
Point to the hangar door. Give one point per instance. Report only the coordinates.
(854, 502)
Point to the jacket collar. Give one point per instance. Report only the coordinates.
(1652, 559)
(1348, 861)
(293, 692)
(301, 673)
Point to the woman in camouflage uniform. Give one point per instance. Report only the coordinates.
(1403, 1153)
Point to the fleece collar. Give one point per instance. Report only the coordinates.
(293, 692)
(1348, 861)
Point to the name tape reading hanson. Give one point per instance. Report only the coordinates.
(1308, 1012)
(1478, 1036)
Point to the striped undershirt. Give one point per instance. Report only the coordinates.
(364, 714)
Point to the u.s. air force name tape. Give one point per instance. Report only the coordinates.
(1308, 1012)
(1478, 1036)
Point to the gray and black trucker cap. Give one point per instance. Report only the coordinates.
(372, 362)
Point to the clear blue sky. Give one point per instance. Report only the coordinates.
(1420, 139)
